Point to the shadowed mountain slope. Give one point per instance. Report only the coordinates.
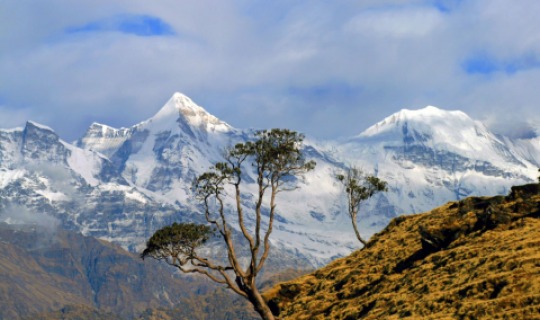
(478, 258)
(53, 270)
(49, 273)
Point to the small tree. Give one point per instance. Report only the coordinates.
(359, 187)
(276, 157)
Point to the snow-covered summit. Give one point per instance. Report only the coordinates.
(437, 128)
(179, 117)
(421, 120)
(164, 153)
(180, 110)
(38, 125)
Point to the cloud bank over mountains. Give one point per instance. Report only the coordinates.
(324, 68)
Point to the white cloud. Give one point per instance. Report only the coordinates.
(20, 217)
(396, 22)
(240, 60)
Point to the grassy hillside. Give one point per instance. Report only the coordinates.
(474, 259)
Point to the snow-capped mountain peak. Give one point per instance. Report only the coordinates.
(437, 128)
(420, 120)
(41, 142)
(181, 110)
(140, 177)
(38, 125)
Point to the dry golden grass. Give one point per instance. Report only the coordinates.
(488, 270)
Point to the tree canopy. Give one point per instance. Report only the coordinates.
(178, 239)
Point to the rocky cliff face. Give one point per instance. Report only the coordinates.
(123, 184)
(103, 139)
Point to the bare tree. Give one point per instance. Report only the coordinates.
(275, 156)
(359, 187)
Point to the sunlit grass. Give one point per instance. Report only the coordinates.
(484, 273)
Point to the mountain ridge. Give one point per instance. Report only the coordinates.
(44, 270)
(128, 182)
(56, 274)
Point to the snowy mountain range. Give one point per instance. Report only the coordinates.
(123, 184)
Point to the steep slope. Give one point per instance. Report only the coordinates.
(46, 269)
(528, 147)
(48, 273)
(478, 258)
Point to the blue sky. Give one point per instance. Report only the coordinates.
(487, 65)
(135, 24)
(326, 68)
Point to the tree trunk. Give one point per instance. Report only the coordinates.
(356, 231)
(260, 305)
